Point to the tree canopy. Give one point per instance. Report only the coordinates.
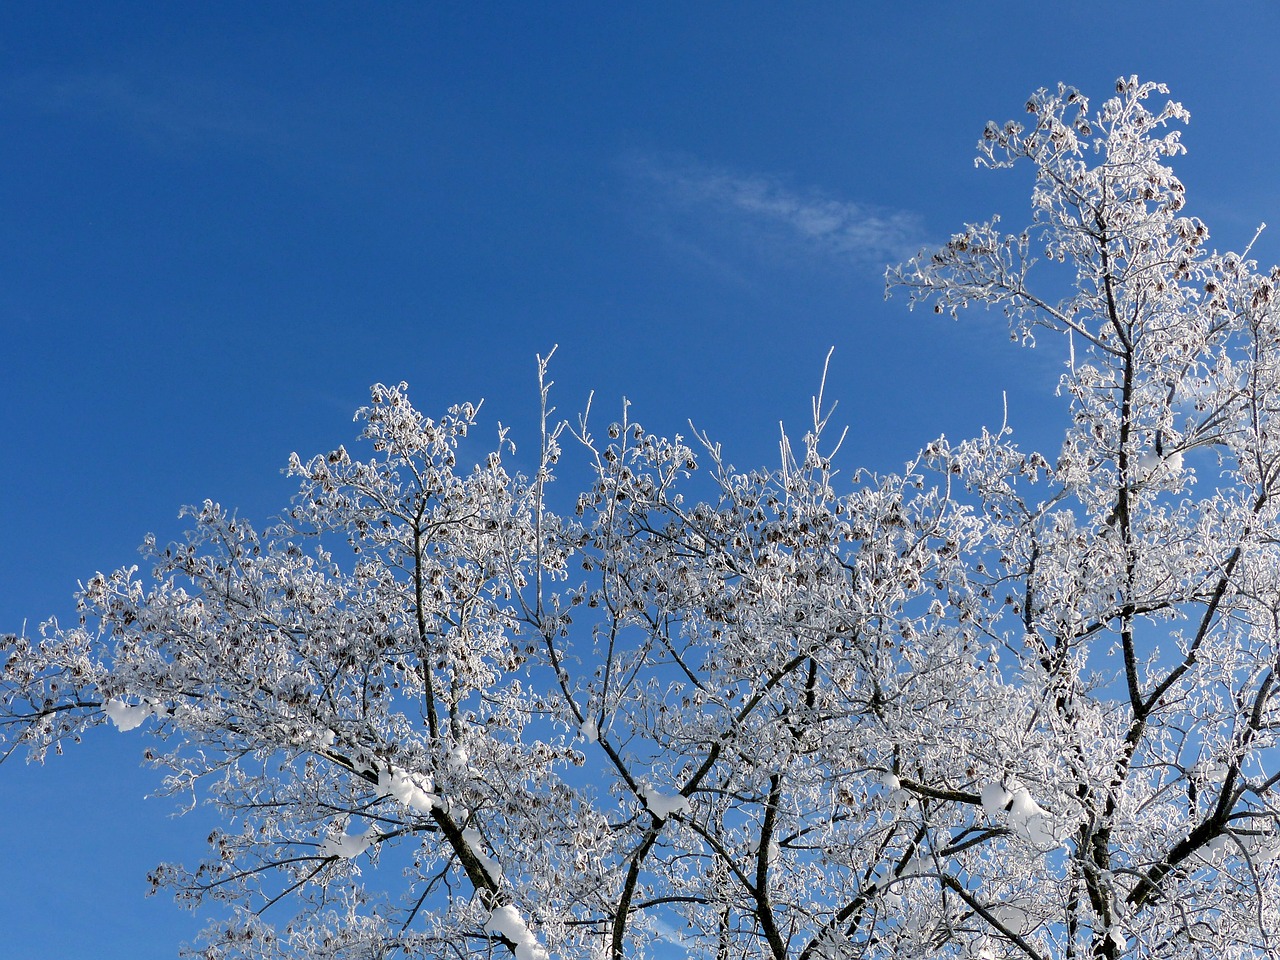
(999, 704)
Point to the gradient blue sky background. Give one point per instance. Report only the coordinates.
(219, 225)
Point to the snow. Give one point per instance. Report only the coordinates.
(1117, 937)
(899, 799)
(918, 866)
(394, 782)
(507, 922)
(125, 716)
(1027, 818)
(1213, 853)
(1014, 918)
(753, 849)
(490, 865)
(1029, 821)
(1148, 463)
(1151, 464)
(995, 798)
(1263, 848)
(661, 805)
(347, 845)
(590, 732)
(1209, 771)
(458, 760)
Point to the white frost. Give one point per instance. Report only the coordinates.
(125, 716)
(507, 922)
(661, 805)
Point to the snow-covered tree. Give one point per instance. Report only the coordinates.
(1001, 704)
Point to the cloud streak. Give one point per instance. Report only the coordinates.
(774, 219)
(179, 113)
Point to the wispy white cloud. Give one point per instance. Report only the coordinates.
(175, 113)
(773, 218)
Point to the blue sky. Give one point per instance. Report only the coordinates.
(219, 225)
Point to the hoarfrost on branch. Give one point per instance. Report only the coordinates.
(999, 704)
